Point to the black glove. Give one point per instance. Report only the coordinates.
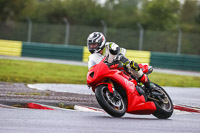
(122, 58)
(134, 66)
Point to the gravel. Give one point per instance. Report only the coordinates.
(20, 93)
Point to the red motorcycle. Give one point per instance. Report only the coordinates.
(117, 92)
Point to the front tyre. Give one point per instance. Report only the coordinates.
(164, 105)
(112, 103)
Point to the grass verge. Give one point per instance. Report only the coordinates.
(39, 72)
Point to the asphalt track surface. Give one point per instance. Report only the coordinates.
(60, 121)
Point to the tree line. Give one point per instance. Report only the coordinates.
(151, 14)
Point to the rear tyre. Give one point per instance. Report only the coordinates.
(164, 105)
(113, 104)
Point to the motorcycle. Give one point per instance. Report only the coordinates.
(117, 92)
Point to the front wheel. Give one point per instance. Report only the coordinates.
(164, 105)
(112, 103)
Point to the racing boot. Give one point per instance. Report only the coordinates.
(151, 87)
(144, 79)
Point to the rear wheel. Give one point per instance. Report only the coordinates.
(164, 105)
(112, 103)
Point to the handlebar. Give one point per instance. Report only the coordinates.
(114, 62)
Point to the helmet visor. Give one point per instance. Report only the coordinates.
(93, 45)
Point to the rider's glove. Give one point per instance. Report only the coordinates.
(122, 58)
(134, 66)
(114, 48)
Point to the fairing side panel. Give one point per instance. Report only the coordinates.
(136, 103)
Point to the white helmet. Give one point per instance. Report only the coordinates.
(96, 42)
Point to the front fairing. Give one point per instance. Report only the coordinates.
(97, 73)
(101, 71)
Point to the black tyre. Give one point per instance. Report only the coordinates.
(164, 105)
(113, 104)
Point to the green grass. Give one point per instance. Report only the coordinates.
(37, 72)
(163, 79)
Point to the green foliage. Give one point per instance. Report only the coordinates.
(36, 72)
(76, 11)
(188, 11)
(190, 16)
(160, 14)
(11, 10)
(122, 13)
(154, 14)
(160, 19)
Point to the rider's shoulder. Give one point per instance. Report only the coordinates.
(109, 43)
(95, 55)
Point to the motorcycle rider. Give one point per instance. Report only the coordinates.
(99, 49)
